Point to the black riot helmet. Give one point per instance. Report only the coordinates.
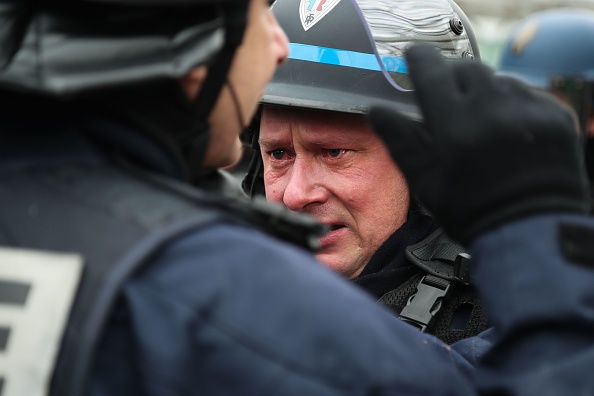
(127, 50)
(345, 55)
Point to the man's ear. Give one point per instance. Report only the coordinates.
(192, 82)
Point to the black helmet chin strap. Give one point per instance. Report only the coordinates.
(235, 21)
(253, 181)
(238, 112)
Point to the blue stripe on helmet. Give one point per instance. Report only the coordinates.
(338, 57)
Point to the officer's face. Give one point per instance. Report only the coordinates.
(332, 166)
(264, 47)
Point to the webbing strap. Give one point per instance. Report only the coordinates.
(440, 256)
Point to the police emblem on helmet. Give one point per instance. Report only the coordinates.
(312, 11)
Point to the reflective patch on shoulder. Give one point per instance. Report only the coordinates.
(37, 290)
(577, 243)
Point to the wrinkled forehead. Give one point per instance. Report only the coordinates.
(317, 125)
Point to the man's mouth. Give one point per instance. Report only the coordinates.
(334, 227)
(334, 235)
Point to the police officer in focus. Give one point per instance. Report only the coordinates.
(381, 237)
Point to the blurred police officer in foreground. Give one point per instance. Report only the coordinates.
(118, 278)
(316, 153)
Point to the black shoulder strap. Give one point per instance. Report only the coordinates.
(440, 256)
(299, 229)
(439, 299)
(444, 262)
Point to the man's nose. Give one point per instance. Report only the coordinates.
(304, 186)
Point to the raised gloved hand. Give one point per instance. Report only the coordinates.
(490, 148)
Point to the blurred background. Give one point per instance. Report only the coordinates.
(492, 20)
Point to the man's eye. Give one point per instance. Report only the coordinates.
(334, 153)
(278, 154)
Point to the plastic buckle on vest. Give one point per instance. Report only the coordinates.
(462, 268)
(422, 306)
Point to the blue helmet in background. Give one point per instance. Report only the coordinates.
(557, 42)
(554, 50)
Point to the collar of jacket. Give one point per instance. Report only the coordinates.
(389, 267)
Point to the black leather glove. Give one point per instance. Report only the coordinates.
(490, 148)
